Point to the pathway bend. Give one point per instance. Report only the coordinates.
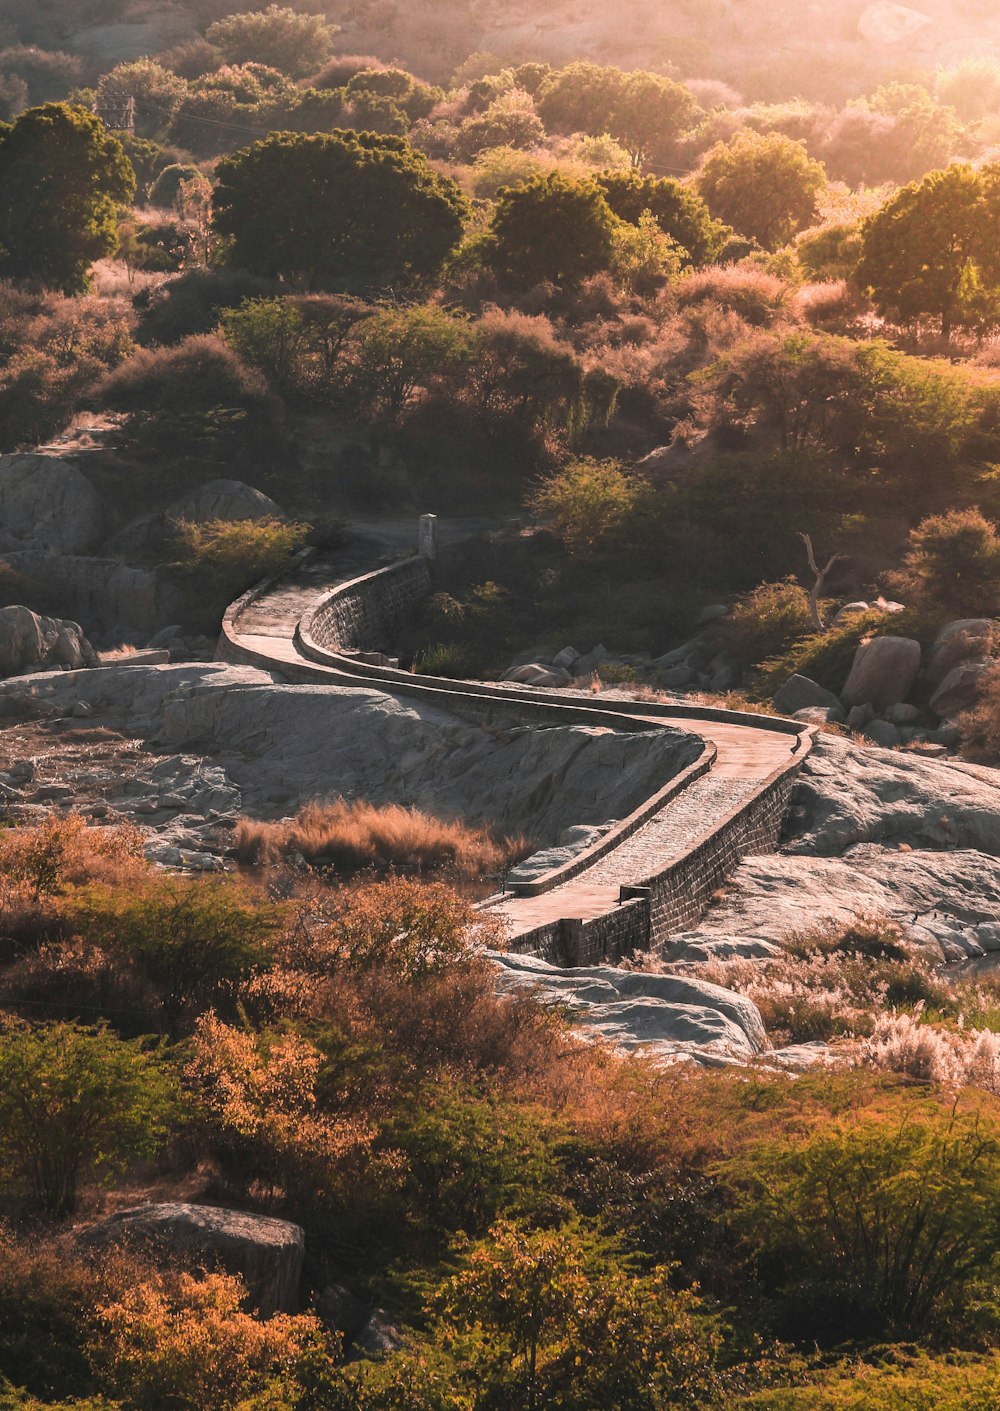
(745, 755)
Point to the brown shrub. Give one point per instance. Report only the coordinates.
(761, 299)
(201, 371)
(354, 835)
(182, 1343)
(64, 851)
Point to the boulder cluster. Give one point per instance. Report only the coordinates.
(895, 693)
(60, 536)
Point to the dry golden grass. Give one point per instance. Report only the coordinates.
(355, 835)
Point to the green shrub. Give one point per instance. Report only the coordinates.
(903, 1380)
(952, 565)
(875, 1223)
(74, 1102)
(764, 622)
(827, 657)
(219, 559)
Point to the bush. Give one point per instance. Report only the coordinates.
(952, 565)
(827, 657)
(200, 372)
(257, 1111)
(278, 36)
(74, 1102)
(980, 726)
(193, 302)
(765, 622)
(760, 299)
(49, 1292)
(890, 1217)
(197, 942)
(588, 503)
(354, 835)
(219, 559)
(183, 1344)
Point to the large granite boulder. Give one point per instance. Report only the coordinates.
(960, 688)
(29, 642)
(222, 499)
(802, 693)
(266, 1253)
(883, 673)
(966, 639)
(47, 504)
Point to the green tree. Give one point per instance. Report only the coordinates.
(677, 210)
(64, 179)
(649, 114)
(271, 335)
(142, 94)
(645, 112)
(536, 1318)
(337, 211)
(764, 186)
(279, 36)
(74, 1102)
(952, 564)
(399, 350)
(587, 502)
(927, 252)
(892, 1215)
(552, 229)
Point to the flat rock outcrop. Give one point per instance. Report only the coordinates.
(274, 746)
(846, 796)
(948, 904)
(266, 1253)
(668, 1016)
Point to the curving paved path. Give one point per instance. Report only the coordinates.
(263, 629)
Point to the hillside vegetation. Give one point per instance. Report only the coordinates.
(694, 294)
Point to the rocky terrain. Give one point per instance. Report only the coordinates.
(220, 740)
(64, 542)
(184, 749)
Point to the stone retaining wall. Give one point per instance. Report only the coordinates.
(677, 898)
(366, 613)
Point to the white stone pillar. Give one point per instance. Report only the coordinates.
(427, 542)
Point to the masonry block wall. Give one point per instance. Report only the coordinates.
(365, 615)
(679, 895)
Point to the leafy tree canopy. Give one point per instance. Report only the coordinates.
(336, 211)
(63, 179)
(645, 112)
(765, 187)
(929, 252)
(278, 36)
(678, 211)
(552, 229)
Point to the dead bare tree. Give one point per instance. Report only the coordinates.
(822, 574)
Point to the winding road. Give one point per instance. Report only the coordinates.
(744, 754)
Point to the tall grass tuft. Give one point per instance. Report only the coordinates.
(354, 835)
